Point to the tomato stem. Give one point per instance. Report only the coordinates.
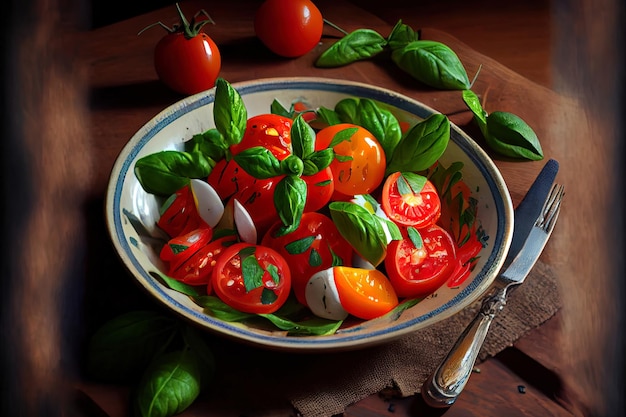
(334, 26)
(189, 29)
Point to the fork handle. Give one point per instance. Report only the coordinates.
(444, 386)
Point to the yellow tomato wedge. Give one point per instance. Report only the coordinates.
(364, 293)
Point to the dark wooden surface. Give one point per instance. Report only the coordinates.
(511, 40)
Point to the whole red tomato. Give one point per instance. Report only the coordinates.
(186, 60)
(289, 28)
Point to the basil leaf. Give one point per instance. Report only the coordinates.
(432, 63)
(355, 46)
(299, 246)
(163, 173)
(422, 145)
(509, 135)
(289, 199)
(361, 229)
(259, 162)
(318, 161)
(401, 35)
(415, 237)
(251, 271)
(342, 135)
(328, 116)
(229, 112)
(174, 284)
(210, 143)
(348, 110)
(277, 108)
(312, 327)
(169, 385)
(415, 181)
(194, 339)
(302, 138)
(473, 103)
(220, 310)
(122, 347)
(381, 123)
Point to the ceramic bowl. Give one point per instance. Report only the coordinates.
(131, 213)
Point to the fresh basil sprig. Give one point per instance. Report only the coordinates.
(361, 229)
(421, 146)
(433, 63)
(504, 132)
(163, 173)
(357, 45)
(291, 190)
(229, 112)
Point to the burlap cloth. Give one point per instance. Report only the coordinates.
(320, 385)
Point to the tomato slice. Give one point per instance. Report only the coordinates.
(196, 270)
(418, 271)
(314, 246)
(251, 278)
(364, 293)
(181, 248)
(180, 214)
(407, 206)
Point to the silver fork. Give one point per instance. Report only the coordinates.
(448, 380)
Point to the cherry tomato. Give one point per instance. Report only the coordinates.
(417, 272)
(181, 248)
(407, 207)
(360, 165)
(314, 246)
(289, 28)
(364, 293)
(227, 178)
(268, 130)
(187, 60)
(180, 214)
(320, 189)
(251, 278)
(196, 270)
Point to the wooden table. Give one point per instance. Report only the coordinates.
(125, 93)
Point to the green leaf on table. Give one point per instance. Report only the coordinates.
(122, 347)
(170, 384)
(511, 136)
(355, 46)
(401, 35)
(433, 63)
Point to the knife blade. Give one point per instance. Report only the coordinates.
(446, 383)
(530, 207)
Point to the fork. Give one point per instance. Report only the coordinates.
(449, 378)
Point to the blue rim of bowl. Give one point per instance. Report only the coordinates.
(349, 338)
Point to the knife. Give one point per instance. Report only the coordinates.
(535, 217)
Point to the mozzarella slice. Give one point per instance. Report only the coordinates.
(322, 296)
(208, 202)
(244, 223)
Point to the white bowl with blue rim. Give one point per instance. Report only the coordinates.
(131, 213)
